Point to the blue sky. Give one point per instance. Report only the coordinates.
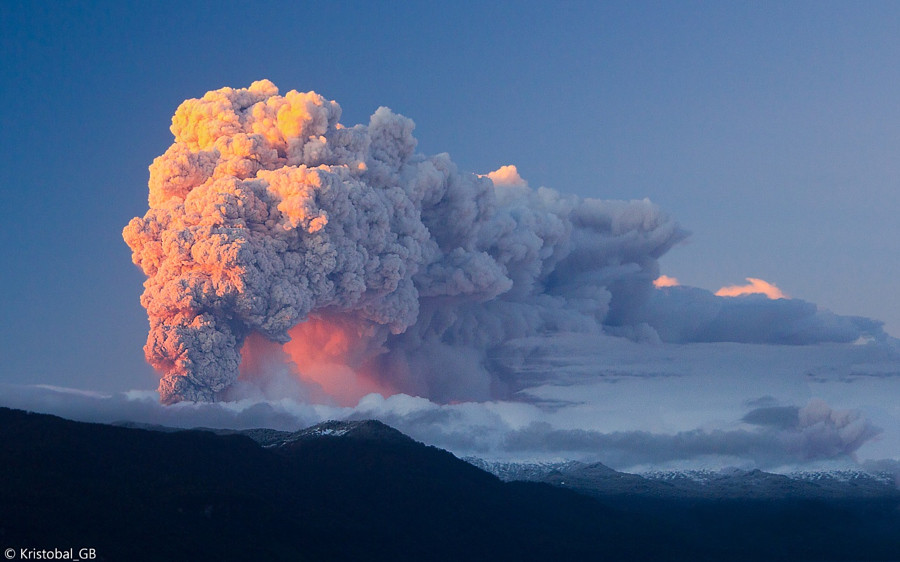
(770, 131)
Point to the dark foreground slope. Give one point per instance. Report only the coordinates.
(363, 491)
(371, 495)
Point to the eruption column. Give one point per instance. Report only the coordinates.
(266, 210)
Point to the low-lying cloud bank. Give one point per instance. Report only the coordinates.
(817, 433)
(767, 437)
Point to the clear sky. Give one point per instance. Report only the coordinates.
(769, 130)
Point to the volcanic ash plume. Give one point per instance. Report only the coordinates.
(267, 213)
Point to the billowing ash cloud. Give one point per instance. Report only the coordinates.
(266, 214)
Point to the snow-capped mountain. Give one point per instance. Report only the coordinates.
(597, 479)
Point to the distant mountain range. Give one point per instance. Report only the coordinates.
(596, 479)
(364, 491)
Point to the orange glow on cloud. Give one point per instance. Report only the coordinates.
(326, 356)
(507, 176)
(326, 353)
(665, 281)
(753, 287)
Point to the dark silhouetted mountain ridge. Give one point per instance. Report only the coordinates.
(361, 490)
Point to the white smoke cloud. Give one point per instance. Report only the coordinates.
(267, 213)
